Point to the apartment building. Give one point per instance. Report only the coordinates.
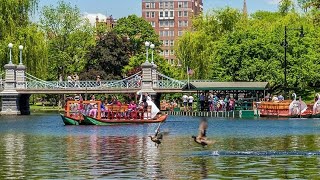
(170, 18)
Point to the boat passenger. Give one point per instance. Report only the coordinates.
(131, 108)
(280, 97)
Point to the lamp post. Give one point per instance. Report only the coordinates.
(10, 45)
(285, 44)
(20, 49)
(147, 44)
(152, 48)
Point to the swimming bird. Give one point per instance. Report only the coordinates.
(202, 136)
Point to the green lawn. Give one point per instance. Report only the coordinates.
(36, 108)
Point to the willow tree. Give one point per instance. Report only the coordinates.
(16, 27)
(69, 38)
(196, 48)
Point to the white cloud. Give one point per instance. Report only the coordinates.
(92, 17)
(273, 1)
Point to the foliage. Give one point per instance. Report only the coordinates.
(69, 38)
(195, 49)
(285, 6)
(137, 30)
(107, 58)
(15, 27)
(229, 48)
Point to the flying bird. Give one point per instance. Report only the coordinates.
(202, 136)
(157, 137)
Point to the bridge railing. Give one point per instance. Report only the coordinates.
(131, 82)
(82, 84)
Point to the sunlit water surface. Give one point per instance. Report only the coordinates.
(41, 147)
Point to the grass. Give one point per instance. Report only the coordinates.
(37, 108)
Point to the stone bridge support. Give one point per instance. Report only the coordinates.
(14, 103)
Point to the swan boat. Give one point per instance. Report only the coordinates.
(289, 108)
(91, 113)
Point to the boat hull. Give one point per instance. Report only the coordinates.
(69, 120)
(93, 121)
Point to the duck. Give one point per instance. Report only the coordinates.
(202, 138)
(156, 140)
(157, 137)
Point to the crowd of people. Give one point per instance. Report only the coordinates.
(209, 102)
(112, 107)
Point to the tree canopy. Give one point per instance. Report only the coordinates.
(226, 47)
(69, 37)
(16, 28)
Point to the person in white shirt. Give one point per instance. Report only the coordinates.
(185, 101)
(190, 103)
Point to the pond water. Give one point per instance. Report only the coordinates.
(41, 147)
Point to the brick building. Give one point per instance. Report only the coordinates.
(170, 18)
(110, 22)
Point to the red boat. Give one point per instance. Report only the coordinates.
(90, 113)
(289, 108)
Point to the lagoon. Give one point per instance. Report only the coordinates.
(41, 147)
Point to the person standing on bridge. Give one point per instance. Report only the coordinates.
(76, 80)
(69, 79)
(98, 81)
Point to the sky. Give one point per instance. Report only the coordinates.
(122, 8)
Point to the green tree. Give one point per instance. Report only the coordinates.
(285, 6)
(15, 27)
(107, 58)
(69, 38)
(196, 50)
(137, 30)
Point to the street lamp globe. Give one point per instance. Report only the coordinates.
(20, 47)
(10, 45)
(147, 43)
(152, 46)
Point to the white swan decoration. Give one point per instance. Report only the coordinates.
(316, 106)
(297, 107)
(154, 109)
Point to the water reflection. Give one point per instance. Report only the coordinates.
(126, 152)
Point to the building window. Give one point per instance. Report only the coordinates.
(172, 61)
(166, 52)
(153, 14)
(185, 13)
(185, 4)
(171, 5)
(153, 24)
(147, 5)
(161, 14)
(166, 5)
(171, 24)
(165, 43)
(171, 42)
(148, 14)
(172, 52)
(171, 14)
(180, 14)
(180, 4)
(153, 5)
(166, 14)
(161, 5)
(180, 33)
